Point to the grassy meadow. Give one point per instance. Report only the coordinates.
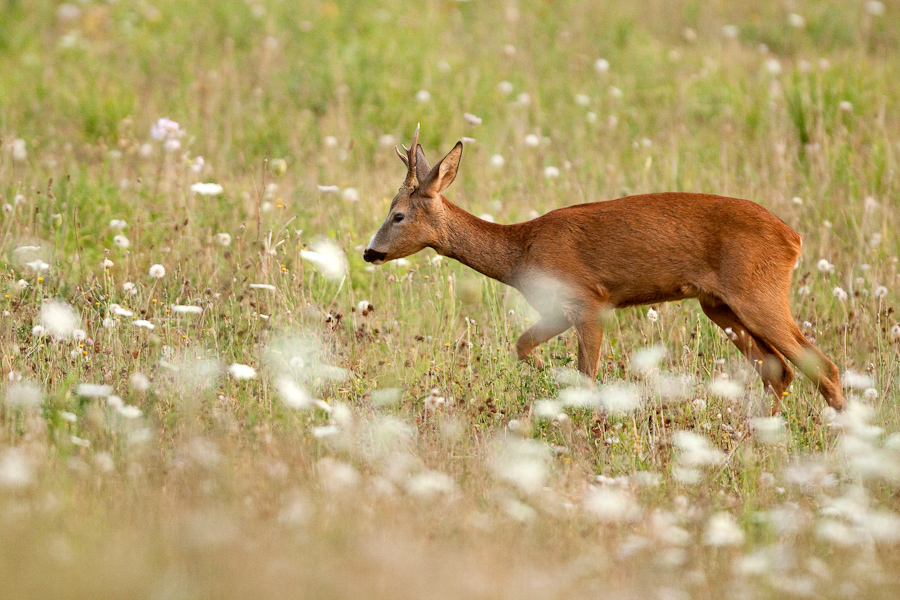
(207, 393)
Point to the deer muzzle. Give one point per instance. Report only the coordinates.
(373, 256)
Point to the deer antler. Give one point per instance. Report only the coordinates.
(410, 160)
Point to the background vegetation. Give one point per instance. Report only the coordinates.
(161, 436)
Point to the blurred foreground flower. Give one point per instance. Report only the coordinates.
(240, 371)
(327, 257)
(58, 319)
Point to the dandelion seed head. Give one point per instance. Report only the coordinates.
(93, 390)
(24, 395)
(327, 257)
(497, 161)
(157, 271)
(840, 294)
(121, 241)
(241, 372)
(601, 65)
(140, 383)
(350, 194)
(19, 150)
(423, 96)
(875, 8)
(143, 323)
(505, 87)
(797, 21)
(58, 319)
(695, 450)
(551, 172)
(532, 140)
(117, 224)
(15, 469)
(611, 505)
(652, 315)
(723, 530)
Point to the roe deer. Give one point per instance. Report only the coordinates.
(573, 263)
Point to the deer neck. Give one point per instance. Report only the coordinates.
(491, 249)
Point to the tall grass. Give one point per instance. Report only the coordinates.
(434, 463)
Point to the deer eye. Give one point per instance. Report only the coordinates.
(398, 218)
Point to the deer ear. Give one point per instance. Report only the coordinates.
(422, 166)
(442, 174)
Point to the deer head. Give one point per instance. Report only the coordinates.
(416, 219)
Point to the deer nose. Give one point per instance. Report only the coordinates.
(373, 255)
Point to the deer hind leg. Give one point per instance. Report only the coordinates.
(771, 366)
(776, 327)
(546, 328)
(589, 328)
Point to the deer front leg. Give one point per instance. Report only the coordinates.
(546, 328)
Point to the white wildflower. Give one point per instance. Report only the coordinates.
(471, 119)
(107, 264)
(532, 140)
(895, 332)
(143, 323)
(601, 65)
(329, 189)
(845, 106)
(121, 241)
(881, 292)
(430, 484)
(652, 316)
(157, 271)
(350, 194)
(207, 189)
(551, 172)
(497, 161)
(165, 129)
(117, 224)
(505, 87)
(186, 309)
(224, 239)
(37, 265)
(38, 331)
(263, 286)
(730, 31)
(773, 66)
(129, 288)
(840, 294)
(423, 96)
(582, 99)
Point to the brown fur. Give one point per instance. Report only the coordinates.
(574, 263)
